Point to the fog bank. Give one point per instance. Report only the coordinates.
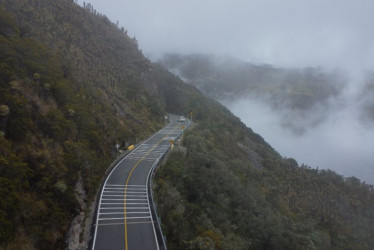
(340, 143)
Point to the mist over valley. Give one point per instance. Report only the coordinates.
(309, 75)
(95, 152)
(322, 118)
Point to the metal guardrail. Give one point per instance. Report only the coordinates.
(159, 235)
(161, 239)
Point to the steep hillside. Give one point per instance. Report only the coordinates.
(219, 192)
(73, 85)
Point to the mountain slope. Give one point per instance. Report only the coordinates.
(71, 88)
(223, 188)
(212, 201)
(73, 85)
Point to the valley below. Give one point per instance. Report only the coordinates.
(321, 118)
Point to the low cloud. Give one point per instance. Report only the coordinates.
(340, 141)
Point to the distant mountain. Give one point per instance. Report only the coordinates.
(298, 91)
(73, 85)
(229, 78)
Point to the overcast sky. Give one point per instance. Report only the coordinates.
(332, 33)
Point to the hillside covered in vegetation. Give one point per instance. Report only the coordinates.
(218, 191)
(73, 85)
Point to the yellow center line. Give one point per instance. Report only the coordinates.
(128, 179)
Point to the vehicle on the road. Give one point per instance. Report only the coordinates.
(182, 119)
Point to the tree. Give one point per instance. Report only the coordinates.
(4, 114)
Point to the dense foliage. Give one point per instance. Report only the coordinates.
(61, 114)
(224, 190)
(73, 84)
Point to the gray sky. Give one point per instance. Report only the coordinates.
(332, 33)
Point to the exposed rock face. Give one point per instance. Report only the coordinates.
(73, 236)
(77, 228)
(255, 158)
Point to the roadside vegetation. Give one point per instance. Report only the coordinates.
(60, 117)
(213, 194)
(73, 85)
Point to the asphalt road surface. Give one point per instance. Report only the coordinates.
(124, 218)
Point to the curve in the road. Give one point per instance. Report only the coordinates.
(124, 218)
(125, 195)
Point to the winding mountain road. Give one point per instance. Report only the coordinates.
(124, 217)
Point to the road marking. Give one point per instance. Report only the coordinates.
(107, 203)
(121, 208)
(102, 193)
(121, 223)
(138, 212)
(121, 195)
(127, 182)
(124, 189)
(137, 203)
(127, 213)
(128, 218)
(130, 191)
(126, 186)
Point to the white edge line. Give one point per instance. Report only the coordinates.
(121, 194)
(125, 185)
(129, 192)
(146, 212)
(115, 167)
(131, 218)
(149, 207)
(121, 203)
(121, 208)
(133, 188)
(113, 199)
(149, 173)
(101, 195)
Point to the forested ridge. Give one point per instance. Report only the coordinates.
(213, 194)
(73, 85)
